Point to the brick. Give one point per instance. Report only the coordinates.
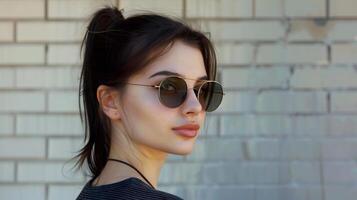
(232, 54)
(309, 30)
(255, 125)
(294, 192)
(30, 148)
(244, 30)
(245, 173)
(22, 54)
(210, 127)
(305, 8)
(22, 192)
(319, 30)
(224, 149)
(22, 9)
(224, 8)
(274, 149)
(343, 8)
(291, 102)
(171, 8)
(346, 192)
(64, 148)
(50, 31)
(339, 149)
(6, 124)
(59, 192)
(342, 125)
(7, 31)
(41, 172)
(16, 101)
(82, 9)
(47, 77)
(305, 172)
(61, 54)
(267, 77)
(7, 77)
(340, 172)
(313, 126)
(63, 101)
(343, 53)
(269, 8)
(187, 173)
(294, 53)
(48, 125)
(7, 172)
(324, 77)
(342, 30)
(242, 102)
(344, 102)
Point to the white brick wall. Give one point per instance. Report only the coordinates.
(305, 8)
(22, 54)
(48, 125)
(6, 124)
(287, 127)
(7, 29)
(22, 192)
(22, 101)
(343, 8)
(49, 31)
(22, 148)
(39, 172)
(292, 54)
(24, 9)
(223, 8)
(79, 9)
(269, 8)
(172, 7)
(244, 30)
(7, 171)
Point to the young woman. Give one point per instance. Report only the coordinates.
(147, 82)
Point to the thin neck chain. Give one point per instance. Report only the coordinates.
(133, 168)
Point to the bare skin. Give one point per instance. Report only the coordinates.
(142, 132)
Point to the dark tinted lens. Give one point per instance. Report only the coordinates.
(211, 95)
(173, 92)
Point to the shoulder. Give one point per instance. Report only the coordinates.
(130, 188)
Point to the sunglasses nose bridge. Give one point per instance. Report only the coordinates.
(192, 98)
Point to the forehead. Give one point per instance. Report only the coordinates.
(181, 58)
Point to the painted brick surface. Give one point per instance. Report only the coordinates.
(286, 129)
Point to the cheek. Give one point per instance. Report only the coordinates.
(145, 113)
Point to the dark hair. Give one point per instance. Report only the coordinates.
(115, 49)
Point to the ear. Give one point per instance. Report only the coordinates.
(107, 98)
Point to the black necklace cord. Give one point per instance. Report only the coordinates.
(133, 168)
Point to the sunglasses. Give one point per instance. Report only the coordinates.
(173, 92)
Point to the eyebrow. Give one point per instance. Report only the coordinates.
(168, 73)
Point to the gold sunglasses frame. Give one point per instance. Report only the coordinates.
(198, 93)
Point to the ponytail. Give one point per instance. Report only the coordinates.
(97, 125)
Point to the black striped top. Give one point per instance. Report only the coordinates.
(129, 189)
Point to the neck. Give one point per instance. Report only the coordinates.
(147, 160)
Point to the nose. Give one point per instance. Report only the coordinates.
(192, 104)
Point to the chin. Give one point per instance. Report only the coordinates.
(183, 149)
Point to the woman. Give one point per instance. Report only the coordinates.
(147, 82)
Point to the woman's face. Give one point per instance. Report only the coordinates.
(150, 123)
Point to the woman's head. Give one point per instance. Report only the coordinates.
(123, 58)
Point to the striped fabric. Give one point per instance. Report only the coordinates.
(129, 189)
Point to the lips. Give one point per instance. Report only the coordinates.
(187, 130)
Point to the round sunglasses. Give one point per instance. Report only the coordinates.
(173, 92)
